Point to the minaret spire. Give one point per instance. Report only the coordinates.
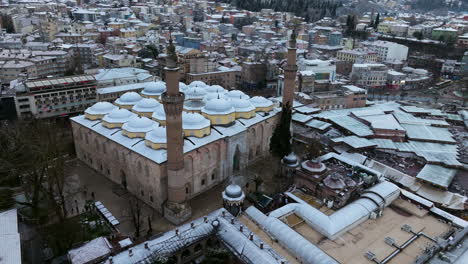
(176, 210)
(290, 72)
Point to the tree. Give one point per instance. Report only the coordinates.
(6, 199)
(280, 144)
(7, 23)
(377, 21)
(418, 35)
(136, 215)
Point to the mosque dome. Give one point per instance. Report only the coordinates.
(236, 94)
(119, 116)
(197, 84)
(260, 102)
(140, 125)
(233, 191)
(154, 88)
(242, 105)
(215, 89)
(157, 135)
(194, 121)
(146, 105)
(100, 108)
(159, 114)
(128, 98)
(183, 86)
(195, 93)
(218, 107)
(212, 96)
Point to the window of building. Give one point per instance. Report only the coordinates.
(203, 182)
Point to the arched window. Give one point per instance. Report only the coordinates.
(147, 172)
(104, 148)
(186, 254)
(140, 169)
(198, 248)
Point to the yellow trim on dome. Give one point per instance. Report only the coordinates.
(155, 145)
(93, 117)
(264, 109)
(128, 107)
(199, 133)
(133, 134)
(112, 125)
(220, 119)
(245, 115)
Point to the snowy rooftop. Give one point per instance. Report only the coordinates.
(94, 249)
(10, 249)
(437, 175)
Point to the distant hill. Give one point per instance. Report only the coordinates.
(311, 10)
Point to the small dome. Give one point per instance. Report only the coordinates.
(154, 88)
(195, 93)
(146, 105)
(194, 121)
(233, 191)
(215, 89)
(183, 86)
(236, 94)
(212, 96)
(119, 116)
(141, 124)
(157, 135)
(242, 105)
(259, 101)
(100, 108)
(291, 159)
(128, 98)
(218, 106)
(159, 113)
(193, 105)
(197, 84)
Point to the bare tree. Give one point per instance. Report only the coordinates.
(136, 215)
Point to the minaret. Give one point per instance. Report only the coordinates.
(290, 72)
(177, 209)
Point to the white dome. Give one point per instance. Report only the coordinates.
(259, 101)
(242, 105)
(154, 88)
(159, 113)
(141, 124)
(119, 116)
(100, 108)
(128, 98)
(197, 84)
(195, 93)
(236, 94)
(218, 106)
(233, 191)
(194, 121)
(212, 96)
(183, 86)
(215, 89)
(157, 135)
(146, 105)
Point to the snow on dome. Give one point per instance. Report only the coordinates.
(159, 113)
(146, 105)
(140, 125)
(242, 105)
(218, 107)
(195, 93)
(128, 98)
(157, 135)
(236, 94)
(100, 108)
(212, 96)
(215, 89)
(154, 88)
(233, 191)
(119, 116)
(259, 101)
(194, 121)
(183, 86)
(197, 84)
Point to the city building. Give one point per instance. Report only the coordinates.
(369, 75)
(388, 51)
(55, 97)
